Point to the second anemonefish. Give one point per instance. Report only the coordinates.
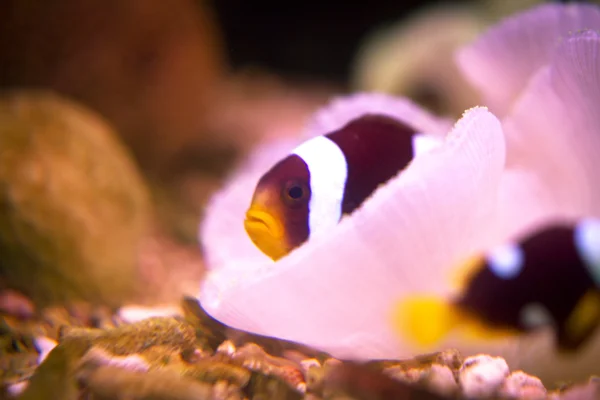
(308, 192)
(550, 278)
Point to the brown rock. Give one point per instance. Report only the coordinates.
(113, 383)
(73, 207)
(362, 382)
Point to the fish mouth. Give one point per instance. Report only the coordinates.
(266, 232)
(263, 221)
(252, 219)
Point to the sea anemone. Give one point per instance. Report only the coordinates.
(529, 159)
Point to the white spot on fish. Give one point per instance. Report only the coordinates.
(587, 241)
(506, 261)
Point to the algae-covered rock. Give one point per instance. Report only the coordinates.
(72, 204)
(56, 375)
(18, 355)
(130, 339)
(167, 358)
(111, 383)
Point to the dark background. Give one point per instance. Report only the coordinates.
(304, 39)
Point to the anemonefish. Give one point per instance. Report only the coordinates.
(307, 193)
(549, 278)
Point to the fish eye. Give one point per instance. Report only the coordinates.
(295, 191)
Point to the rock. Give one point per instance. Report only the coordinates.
(190, 356)
(482, 375)
(362, 382)
(521, 385)
(113, 383)
(133, 313)
(255, 358)
(440, 379)
(15, 304)
(97, 356)
(589, 391)
(73, 207)
(16, 389)
(55, 374)
(211, 370)
(44, 345)
(436, 377)
(265, 387)
(18, 354)
(450, 358)
(169, 333)
(141, 347)
(586, 391)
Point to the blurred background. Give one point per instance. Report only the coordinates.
(149, 66)
(311, 40)
(185, 88)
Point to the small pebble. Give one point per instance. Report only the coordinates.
(450, 358)
(441, 379)
(44, 345)
(309, 363)
(98, 356)
(15, 304)
(239, 367)
(109, 382)
(414, 375)
(227, 347)
(192, 356)
(482, 375)
(521, 385)
(589, 391)
(103, 318)
(222, 390)
(81, 312)
(293, 376)
(15, 389)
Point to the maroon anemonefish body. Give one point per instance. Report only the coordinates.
(551, 277)
(306, 193)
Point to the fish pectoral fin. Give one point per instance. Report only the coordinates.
(582, 323)
(425, 320)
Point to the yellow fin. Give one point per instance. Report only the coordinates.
(425, 320)
(584, 317)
